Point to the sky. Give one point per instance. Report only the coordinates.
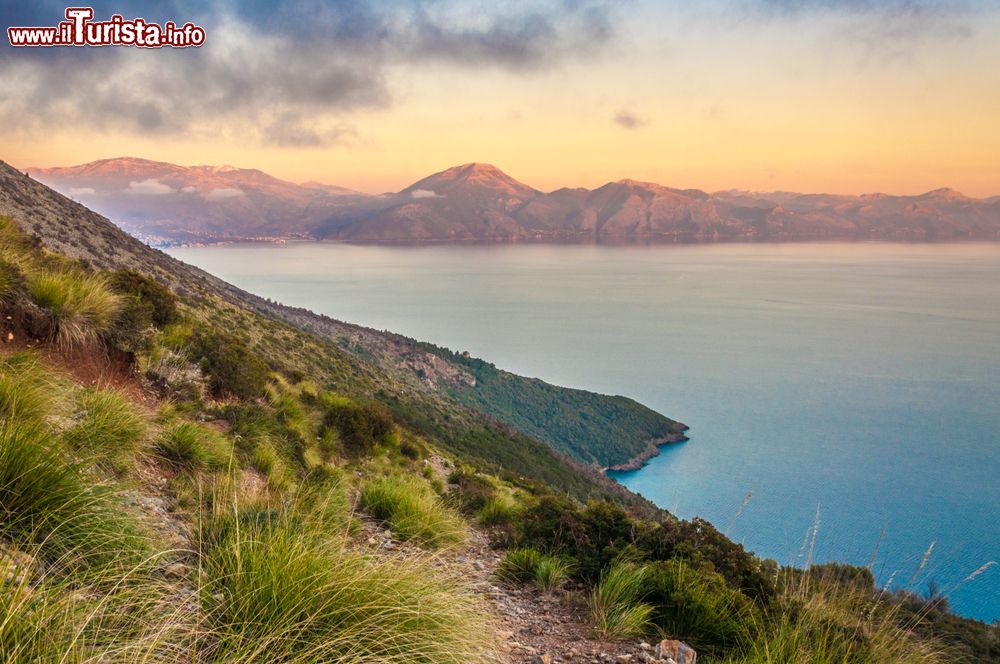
(850, 96)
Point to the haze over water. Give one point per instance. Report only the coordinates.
(861, 379)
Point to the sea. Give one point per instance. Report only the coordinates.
(851, 390)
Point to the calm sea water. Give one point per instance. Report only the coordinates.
(857, 381)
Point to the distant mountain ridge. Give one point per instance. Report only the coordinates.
(478, 202)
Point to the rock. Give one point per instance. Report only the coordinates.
(478, 565)
(644, 646)
(678, 651)
(623, 659)
(176, 571)
(541, 658)
(15, 566)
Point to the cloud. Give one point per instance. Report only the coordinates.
(223, 194)
(190, 189)
(81, 191)
(629, 120)
(881, 30)
(285, 74)
(424, 193)
(150, 187)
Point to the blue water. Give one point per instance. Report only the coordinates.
(859, 381)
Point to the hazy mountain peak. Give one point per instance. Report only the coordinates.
(473, 175)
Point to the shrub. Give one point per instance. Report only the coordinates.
(110, 427)
(232, 368)
(616, 601)
(80, 306)
(194, 447)
(472, 491)
(361, 427)
(698, 541)
(51, 503)
(411, 510)
(275, 593)
(152, 300)
(698, 607)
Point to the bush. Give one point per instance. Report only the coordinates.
(698, 607)
(50, 503)
(277, 594)
(110, 428)
(411, 510)
(194, 447)
(616, 601)
(699, 542)
(232, 368)
(152, 300)
(360, 427)
(80, 306)
(471, 491)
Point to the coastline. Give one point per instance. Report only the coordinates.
(652, 450)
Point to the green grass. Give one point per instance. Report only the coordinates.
(110, 429)
(616, 601)
(48, 502)
(80, 306)
(528, 565)
(30, 392)
(411, 510)
(276, 593)
(194, 447)
(834, 625)
(498, 511)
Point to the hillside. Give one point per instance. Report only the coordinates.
(478, 202)
(185, 476)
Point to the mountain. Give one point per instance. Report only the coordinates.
(160, 201)
(427, 383)
(478, 202)
(471, 202)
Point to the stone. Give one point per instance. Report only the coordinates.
(176, 571)
(678, 651)
(644, 646)
(541, 658)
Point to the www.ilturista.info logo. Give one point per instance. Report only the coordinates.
(79, 29)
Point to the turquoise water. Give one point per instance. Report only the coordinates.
(859, 380)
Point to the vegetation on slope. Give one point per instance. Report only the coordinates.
(268, 483)
(590, 427)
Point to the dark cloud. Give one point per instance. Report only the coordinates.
(629, 120)
(284, 71)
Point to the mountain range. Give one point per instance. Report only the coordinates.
(478, 202)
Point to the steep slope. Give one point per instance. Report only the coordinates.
(412, 380)
(162, 201)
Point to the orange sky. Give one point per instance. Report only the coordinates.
(821, 101)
